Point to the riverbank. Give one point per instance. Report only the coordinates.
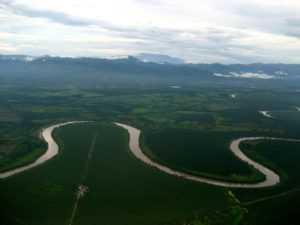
(51, 151)
(271, 177)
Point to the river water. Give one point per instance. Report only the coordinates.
(271, 177)
(52, 150)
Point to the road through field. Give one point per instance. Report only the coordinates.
(271, 177)
(82, 189)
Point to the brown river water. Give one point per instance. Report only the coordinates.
(52, 150)
(271, 177)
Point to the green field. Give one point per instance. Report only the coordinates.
(122, 190)
(197, 152)
(282, 203)
(189, 129)
(293, 115)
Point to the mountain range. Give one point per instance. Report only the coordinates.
(138, 69)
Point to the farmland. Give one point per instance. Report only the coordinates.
(188, 128)
(121, 189)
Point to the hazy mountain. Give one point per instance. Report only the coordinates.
(97, 71)
(18, 57)
(157, 58)
(132, 71)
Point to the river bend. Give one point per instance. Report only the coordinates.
(271, 177)
(134, 135)
(52, 150)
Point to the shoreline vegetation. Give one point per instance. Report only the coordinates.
(52, 150)
(9, 163)
(114, 168)
(271, 178)
(254, 177)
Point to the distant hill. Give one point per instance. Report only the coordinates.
(98, 71)
(157, 58)
(82, 71)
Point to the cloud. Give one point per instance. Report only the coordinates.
(246, 75)
(294, 27)
(7, 47)
(293, 22)
(108, 51)
(198, 31)
(20, 9)
(58, 17)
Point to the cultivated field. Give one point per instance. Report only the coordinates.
(188, 128)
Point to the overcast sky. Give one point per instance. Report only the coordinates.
(224, 31)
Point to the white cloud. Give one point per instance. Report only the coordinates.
(246, 75)
(281, 73)
(7, 47)
(230, 31)
(108, 51)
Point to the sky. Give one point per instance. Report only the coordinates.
(198, 31)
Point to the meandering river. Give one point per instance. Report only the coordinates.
(52, 150)
(271, 177)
